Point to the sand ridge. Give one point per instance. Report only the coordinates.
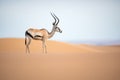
(17, 45)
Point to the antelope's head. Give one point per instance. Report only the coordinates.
(55, 23)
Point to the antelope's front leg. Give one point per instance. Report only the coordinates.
(44, 46)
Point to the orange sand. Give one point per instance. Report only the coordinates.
(62, 62)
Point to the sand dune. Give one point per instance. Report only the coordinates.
(63, 61)
(17, 45)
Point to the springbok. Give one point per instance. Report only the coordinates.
(41, 34)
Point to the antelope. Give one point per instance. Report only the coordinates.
(41, 34)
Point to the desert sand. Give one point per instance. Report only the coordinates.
(64, 61)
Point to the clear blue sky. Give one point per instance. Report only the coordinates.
(79, 19)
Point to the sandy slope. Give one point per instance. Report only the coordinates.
(17, 45)
(63, 62)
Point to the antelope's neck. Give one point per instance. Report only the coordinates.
(52, 32)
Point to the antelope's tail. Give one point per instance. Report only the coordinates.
(26, 38)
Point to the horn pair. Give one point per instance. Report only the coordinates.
(55, 18)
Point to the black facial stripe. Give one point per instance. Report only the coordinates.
(59, 29)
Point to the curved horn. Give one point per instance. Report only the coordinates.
(54, 18)
(57, 19)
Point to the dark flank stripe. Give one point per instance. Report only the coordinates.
(27, 33)
(37, 36)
